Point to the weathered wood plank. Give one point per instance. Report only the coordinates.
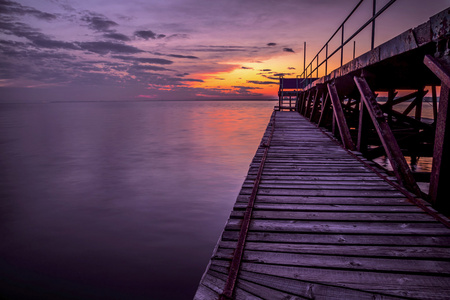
(342, 227)
(391, 251)
(395, 284)
(397, 264)
(337, 216)
(347, 200)
(336, 208)
(323, 192)
(343, 239)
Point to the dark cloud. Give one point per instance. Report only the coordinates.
(191, 79)
(98, 22)
(182, 56)
(271, 44)
(177, 36)
(291, 68)
(270, 77)
(148, 34)
(288, 50)
(14, 8)
(246, 68)
(147, 68)
(117, 36)
(261, 82)
(108, 47)
(53, 44)
(265, 70)
(282, 74)
(149, 60)
(221, 49)
(37, 38)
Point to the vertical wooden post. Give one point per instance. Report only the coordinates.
(435, 106)
(310, 101)
(440, 170)
(393, 151)
(340, 117)
(361, 144)
(280, 96)
(316, 104)
(306, 102)
(325, 108)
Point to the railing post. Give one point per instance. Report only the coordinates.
(342, 46)
(304, 60)
(373, 24)
(317, 66)
(326, 59)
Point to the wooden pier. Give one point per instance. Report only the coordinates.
(316, 218)
(325, 226)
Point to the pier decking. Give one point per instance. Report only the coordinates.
(324, 225)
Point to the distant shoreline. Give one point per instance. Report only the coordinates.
(121, 101)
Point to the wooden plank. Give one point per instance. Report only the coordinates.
(397, 264)
(391, 251)
(398, 162)
(314, 186)
(249, 290)
(337, 216)
(326, 193)
(342, 227)
(390, 240)
(340, 117)
(332, 208)
(403, 285)
(331, 200)
(310, 290)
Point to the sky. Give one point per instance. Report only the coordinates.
(114, 50)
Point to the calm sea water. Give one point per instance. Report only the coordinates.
(121, 200)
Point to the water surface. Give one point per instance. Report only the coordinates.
(121, 200)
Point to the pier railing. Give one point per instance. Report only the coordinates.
(308, 71)
(403, 70)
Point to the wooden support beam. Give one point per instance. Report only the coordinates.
(363, 125)
(418, 113)
(440, 171)
(325, 108)
(393, 151)
(320, 94)
(435, 105)
(309, 109)
(307, 99)
(410, 107)
(402, 99)
(340, 117)
(440, 67)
